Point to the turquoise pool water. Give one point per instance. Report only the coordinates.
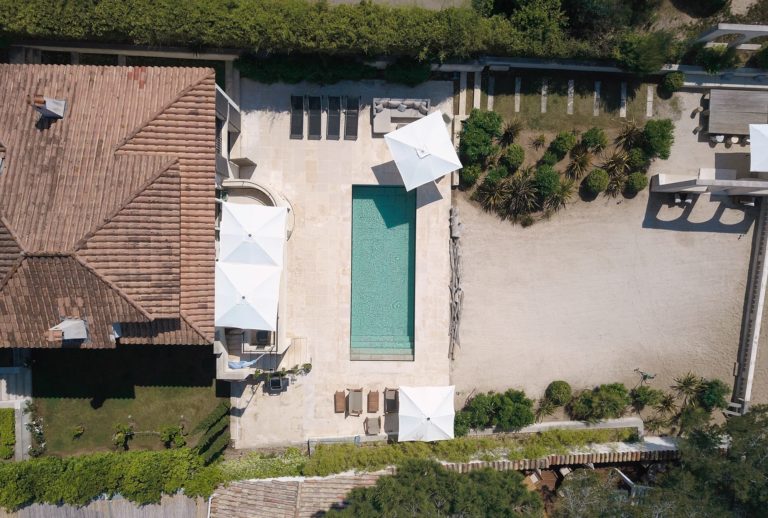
(383, 272)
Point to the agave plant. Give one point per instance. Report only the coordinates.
(617, 167)
(522, 193)
(511, 131)
(687, 387)
(630, 135)
(561, 196)
(493, 196)
(581, 162)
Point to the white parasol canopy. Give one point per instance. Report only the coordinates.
(426, 413)
(252, 234)
(758, 144)
(423, 150)
(247, 296)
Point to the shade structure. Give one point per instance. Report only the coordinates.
(423, 150)
(758, 145)
(252, 234)
(426, 413)
(247, 296)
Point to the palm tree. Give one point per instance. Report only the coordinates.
(667, 405)
(581, 162)
(522, 193)
(630, 135)
(493, 196)
(617, 167)
(686, 387)
(562, 195)
(511, 131)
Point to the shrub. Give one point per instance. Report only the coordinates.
(293, 69)
(78, 431)
(477, 136)
(513, 157)
(408, 71)
(513, 411)
(673, 82)
(594, 139)
(548, 158)
(712, 394)
(461, 423)
(637, 160)
(7, 432)
(172, 437)
(123, 433)
(558, 392)
(562, 144)
(539, 142)
(511, 131)
(636, 182)
(644, 53)
(644, 396)
(715, 59)
(546, 180)
(605, 401)
(496, 175)
(469, 175)
(481, 410)
(659, 137)
(596, 181)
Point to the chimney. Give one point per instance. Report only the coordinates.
(49, 108)
(69, 329)
(54, 335)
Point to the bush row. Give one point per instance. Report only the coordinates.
(7, 432)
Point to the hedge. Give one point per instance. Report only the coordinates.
(141, 477)
(288, 26)
(7, 432)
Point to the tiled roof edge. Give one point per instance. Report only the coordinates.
(157, 114)
(195, 327)
(112, 285)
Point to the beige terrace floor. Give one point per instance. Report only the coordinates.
(317, 178)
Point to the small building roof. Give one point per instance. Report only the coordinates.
(106, 215)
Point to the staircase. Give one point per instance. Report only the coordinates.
(753, 315)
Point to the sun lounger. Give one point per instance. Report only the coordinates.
(339, 402)
(297, 117)
(390, 401)
(333, 130)
(351, 116)
(373, 401)
(372, 425)
(315, 111)
(355, 402)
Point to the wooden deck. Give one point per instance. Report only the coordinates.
(732, 111)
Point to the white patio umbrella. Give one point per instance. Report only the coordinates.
(425, 413)
(423, 150)
(246, 296)
(252, 234)
(758, 145)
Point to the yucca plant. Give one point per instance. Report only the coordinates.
(522, 193)
(630, 135)
(581, 162)
(687, 387)
(617, 167)
(545, 409)
(493, 196)
(667, 405)
(512, 130)
(539, 142)
(561, 196)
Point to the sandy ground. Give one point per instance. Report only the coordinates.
(600, 290)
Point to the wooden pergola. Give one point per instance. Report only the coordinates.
(732, 111)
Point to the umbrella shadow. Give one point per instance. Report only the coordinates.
(387, 174)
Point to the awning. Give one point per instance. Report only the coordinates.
(423, 151)
(425, 413)
(247, 296)
(252, 234)
(251, 242)
(758, 145)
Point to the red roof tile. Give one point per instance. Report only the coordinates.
(118, 194)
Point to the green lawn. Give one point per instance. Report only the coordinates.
(149, 387)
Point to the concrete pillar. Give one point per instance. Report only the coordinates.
(121, 60)
(74, 58)
(229, 79)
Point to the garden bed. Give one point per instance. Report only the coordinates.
(7, 433)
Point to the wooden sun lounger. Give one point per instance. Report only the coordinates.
(372, 425)
(373, 401)
(297, 117)
(351, 116)
(315, 111)
(339, 402)
(333, 131)
(390, 401)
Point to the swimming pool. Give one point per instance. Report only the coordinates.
(383, 273)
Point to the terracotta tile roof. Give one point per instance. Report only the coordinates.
(118, 195)
(292, 498)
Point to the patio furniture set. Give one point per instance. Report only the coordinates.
(731, 112)
(390, 114)
(350, 402)
(334, 106)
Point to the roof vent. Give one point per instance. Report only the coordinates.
(69, 329)
(48, 108)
